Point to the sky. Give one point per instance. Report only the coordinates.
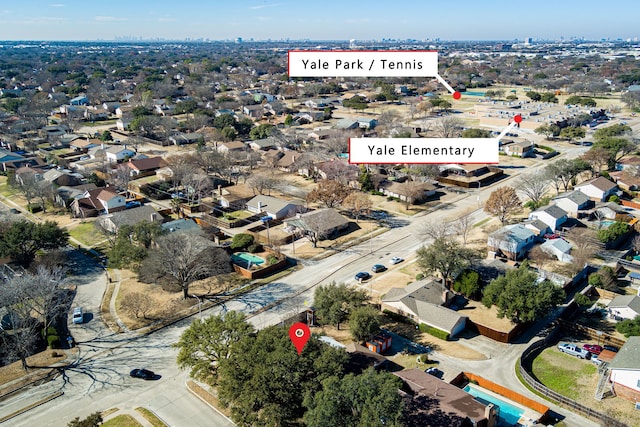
(318, 19)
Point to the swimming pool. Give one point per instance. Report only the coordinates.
(607, 222)
(473, 93)
(246, 260)
(508, 414)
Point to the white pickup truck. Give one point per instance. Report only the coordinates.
(574, 350)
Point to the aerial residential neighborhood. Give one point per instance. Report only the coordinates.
(171, 212)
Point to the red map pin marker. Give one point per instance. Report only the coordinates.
(517, 118)
(457, 95)
(299, 334)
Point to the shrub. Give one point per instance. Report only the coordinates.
(419, 276)
(254, 248)
(614, 198)
(398, 317)
(53, 341)
(438, 333)
(272, 259)
(612, 232)
(33, 208)
(241, 241)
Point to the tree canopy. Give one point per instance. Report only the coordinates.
(445, 256)
(206, 342)
(334, 303)
(520, 297)
(22, 239)
(629, 327)
(503, 202)
(369, 399)
(364, 322)
(264, 381)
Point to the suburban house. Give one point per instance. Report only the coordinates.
(409, 191)
(62, 177)
(117, 153)
(423, 302)
(79, 100)
(186, 138)
(629, 164)
(431, 396)
(347, 124)
(361, 358)
(625, 370)
(625, 180)
(367, 123)
(512, 241)
(27, 174)
(234, 201)
(324, 223)
(97, 201)
(7, 156)
(558, 248)
(274, 207)
(84, 144)
(624, 307)
(231, 147)
(573, 203)
(253, 111)
(144, 167)
(598, 189)
(552, 215)
(264, 144)
(538, 227)
(609, 210)
(122, 124)
(114, 221)
(321, 134)
(520, 148)
(66, 194)
(182, 225)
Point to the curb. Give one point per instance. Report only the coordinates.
(203, 400)
(31, 406)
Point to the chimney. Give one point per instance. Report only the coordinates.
(102, 146)
(154, 217)
(259, 206)
(219, 190)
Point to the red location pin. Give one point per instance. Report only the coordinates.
(299, 334)
(517, 118)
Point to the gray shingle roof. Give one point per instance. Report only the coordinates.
(628, 357)
(555, 211)
(631, 301)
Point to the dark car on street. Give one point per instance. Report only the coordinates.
(363, 275)
(144, 374)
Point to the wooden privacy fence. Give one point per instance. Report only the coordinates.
(525, 360)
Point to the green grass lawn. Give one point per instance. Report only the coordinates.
(87, 234)
(122, 421)
(561, 372)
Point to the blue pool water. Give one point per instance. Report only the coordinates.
(607, 222)
(508, 414)
(473, 93)
(246, 260)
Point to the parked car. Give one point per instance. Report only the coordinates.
(144, 374)
(574, 350)
(596, 361)
(363, 275)
(593, 348)
(396, 260)
(435, 372)
(378, 268)
(78, 315)
(610, 348)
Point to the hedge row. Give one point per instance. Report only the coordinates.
(438, 333)
(398, 317)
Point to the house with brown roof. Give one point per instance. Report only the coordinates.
(84, 144)
(408, 191)
(432, 398)
(103, 200)
(598, 189)
(114, 221)
(231, 146)
(145, 167)
(322, 223)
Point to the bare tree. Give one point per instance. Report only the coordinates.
(535, 185)
(261, 183)
(503, 202)
(585, 245)
(32, 300)
(138, 304)
(329, 192)
(436, 230)
(540, 257)
(184, 260)
(358, 203)
(447, 127)
(597, 158)
(410, 192)
(121, 176)
(462, 227)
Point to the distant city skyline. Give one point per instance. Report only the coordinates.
(320, 20)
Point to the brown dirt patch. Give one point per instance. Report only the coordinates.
(38, 363)
(482, 315)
